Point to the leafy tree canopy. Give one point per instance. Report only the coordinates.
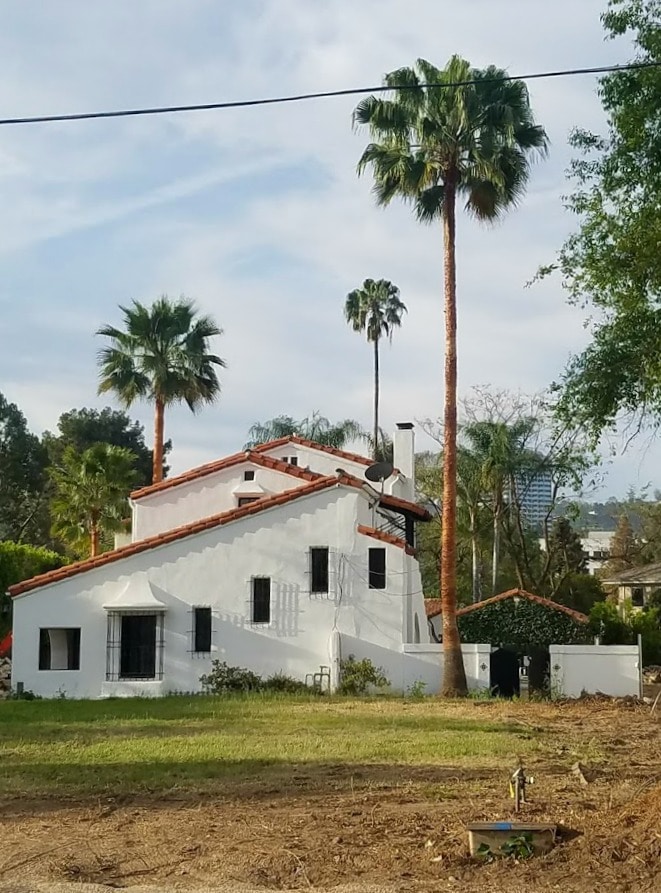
(82, 428)
(20, 562)
(22, 476)
(612, 264)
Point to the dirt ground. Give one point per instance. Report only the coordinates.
(398, 828)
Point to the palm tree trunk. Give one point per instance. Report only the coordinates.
(159, 422)
(375, 447)
(94, 539)
(475, 561)
(454, 674)
(495, 556)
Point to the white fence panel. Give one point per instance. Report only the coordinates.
(610, 669)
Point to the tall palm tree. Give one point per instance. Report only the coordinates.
(375, 309)
(91, 493)
(314, 427)
(472, 138)
(161, 356)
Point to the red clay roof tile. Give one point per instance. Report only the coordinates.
(433, 605)
(312, 444)
(201, 471)
(386, 538)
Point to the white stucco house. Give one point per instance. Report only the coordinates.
(280, 559)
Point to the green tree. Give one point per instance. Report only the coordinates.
(432, 146)
(376, 310)
(19, 562)
(23, 460)
(626, 549)
(314, 427)
(161, 356)
(91, 492)
(82, 428)
(612, 263)
(502, 453)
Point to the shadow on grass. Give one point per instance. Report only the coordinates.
(213, 779)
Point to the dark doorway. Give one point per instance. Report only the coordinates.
(138, 648)
(505, 673)
(539, 670)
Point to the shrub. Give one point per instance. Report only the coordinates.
(357, 676)
(19, 562)
(223, 679)
(286, 684)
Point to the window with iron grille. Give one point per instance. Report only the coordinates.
(319, 569)
(59, 648)
(202, 630)
(135, 646)
(377, 568)
(261, 600)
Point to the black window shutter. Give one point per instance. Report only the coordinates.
(261, 600)
(202, 630)
(377, 568)
(319, 569)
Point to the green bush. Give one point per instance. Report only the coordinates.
(286, 684)
(607, 623)
(616, 628)
(358, 676)
(19, 562)
(224, 679)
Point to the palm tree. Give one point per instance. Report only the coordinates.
(375, 309)
(162, 356)
(315, 427)
(471, 138)
(91, 492)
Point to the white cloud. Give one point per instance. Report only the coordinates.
(258, 212)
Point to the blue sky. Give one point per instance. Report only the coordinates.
(258, 214)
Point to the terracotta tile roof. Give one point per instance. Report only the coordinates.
(386, 538)
(312, 444)
(317, 484)
(521, 593)
(252, 456)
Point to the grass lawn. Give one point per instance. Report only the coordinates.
(73, 748)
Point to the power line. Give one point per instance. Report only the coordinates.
(326, 94)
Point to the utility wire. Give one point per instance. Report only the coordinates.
(326, 94)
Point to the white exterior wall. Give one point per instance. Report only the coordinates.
(421, 663)
(610, 669)
(214, 568)
(317, 460)
(202, 498)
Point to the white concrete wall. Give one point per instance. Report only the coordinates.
(609, 669)
(421, 663)
(214, 568)
(317, 460)
(204, 497)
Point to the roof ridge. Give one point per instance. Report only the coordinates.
(201, 471)
(313, 444)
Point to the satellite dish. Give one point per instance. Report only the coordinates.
(380, 471)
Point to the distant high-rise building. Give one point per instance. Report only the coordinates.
(534, 494)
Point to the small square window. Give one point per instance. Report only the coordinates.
(59, 649)
(261, 600)
(377, 568)
(249, 475)
(293, 460)
(202, 630)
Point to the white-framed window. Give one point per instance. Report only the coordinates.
(59, 648)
